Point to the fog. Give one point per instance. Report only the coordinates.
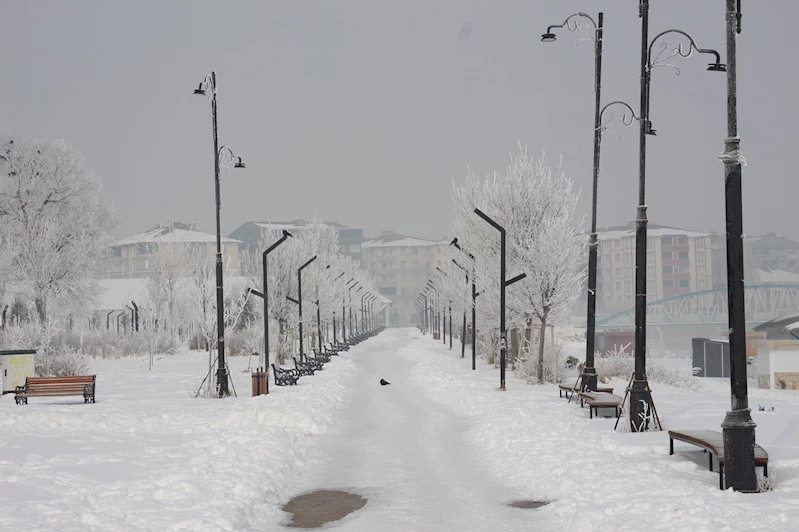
(364, 112)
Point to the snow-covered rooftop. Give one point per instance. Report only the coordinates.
(776, 276)
(627, 231)
(168, 234)
(393, 240)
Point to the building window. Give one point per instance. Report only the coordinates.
(668, 269)
(700, 271)
(666, 241)
(650, 258)
(427, 264)
(116, 252)
(415, 264)
(682, 269)
(626, 259)
(685, 283)
(650, 243)
(668, 283)
(403, 291)
(700, 284)
(700, 257)
(682, 240)
(650, 271)
(666, 255)
(618, 285)
(629, 287)
(626, 243)
(617, 256)
(618, 272)
(402, 264)
(402, 251)
(682, 255)
(415, 251)
(650, 287)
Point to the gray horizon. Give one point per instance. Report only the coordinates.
(363, 112)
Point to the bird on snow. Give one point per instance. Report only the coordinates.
(383, 382)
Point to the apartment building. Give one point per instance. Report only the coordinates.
(137, 255)
(678, 262)
(349, 238)
(400, 266)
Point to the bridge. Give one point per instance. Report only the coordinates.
(709, 308)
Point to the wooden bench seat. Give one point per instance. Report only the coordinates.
(571, 390)
(285, 377)
(712, 442)
(596, 400)
(56, 387)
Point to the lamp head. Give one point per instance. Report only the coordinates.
(199, 90)
(717, 67)
(454, 242)
(286, 234)
(548, 37)
(239, 164)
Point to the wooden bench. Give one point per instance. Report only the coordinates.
(285, 377)
(597, 400)
(55, 387)
(712, 442)
(571, 390)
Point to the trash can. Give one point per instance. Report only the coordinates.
(259, 382)
(16, 365)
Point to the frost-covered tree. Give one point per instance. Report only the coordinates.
(168, 288)
(537, 207)
(53, 222)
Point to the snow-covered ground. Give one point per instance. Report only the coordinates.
(147, 456)
(598, 479)
(439, 449)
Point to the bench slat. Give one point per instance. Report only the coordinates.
(714, 442)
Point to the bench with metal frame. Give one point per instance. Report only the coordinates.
(597, 400)
(712, 443)
(285, 377)
(56, 387)
(305, 369)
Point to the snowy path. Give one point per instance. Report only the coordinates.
(407, 455)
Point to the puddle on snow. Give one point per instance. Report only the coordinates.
(527, 504)
(314, 509)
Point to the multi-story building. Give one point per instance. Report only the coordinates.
(400, 266)
(678, 262)
(349, 238)
(137, 255)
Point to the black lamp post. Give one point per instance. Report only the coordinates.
(344, 311)
(442, 272)
(357, 327)
(279, 241)
(640, 397)
(738, 428)
(221, 156)
(349, 292)
(463, 333)
(589, 373)
(474, 297)
(299, 295)
(503, 335)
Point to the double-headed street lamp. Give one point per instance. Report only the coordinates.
(474, 296)
(589, 377)
(279, 241)
(738, 428)
(640, 397)
(222, 156)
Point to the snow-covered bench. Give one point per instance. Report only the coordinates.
(597, 400)
(285, 377)
(56, 386)
(303, 368)
(712, 442)
(317, 363)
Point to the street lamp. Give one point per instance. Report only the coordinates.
(349, 292)
(282, 239)
(738, 428)
(463, 331)
(442, 272)
(474, 297)
(503, 335)
(572, 23)
(640, 396)
(222, 156)
(299, 295)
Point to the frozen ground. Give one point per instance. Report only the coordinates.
(438, 450)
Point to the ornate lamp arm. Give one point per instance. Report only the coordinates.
(626, 118)
(572, 25)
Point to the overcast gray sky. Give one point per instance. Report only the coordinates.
(363, 112)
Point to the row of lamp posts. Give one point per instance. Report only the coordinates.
(738, 427)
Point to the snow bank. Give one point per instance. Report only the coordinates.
(149, 457)
(598, 479)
